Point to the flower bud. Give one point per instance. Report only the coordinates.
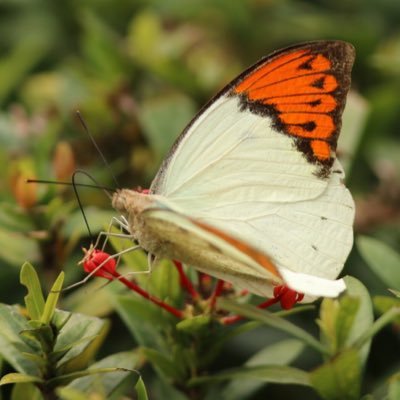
(25, 193)
(99, 263)
(64, 163)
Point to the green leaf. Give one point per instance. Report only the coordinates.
(281, 353)
(14, 219)
(19, 378)
(364, 317)
(19, 61)
(144, 36)
(186, 358)
(160, 389)
(43, 334)
(57, 355)
(385, 303)
(136, 260)
(12, 345)
(161, 51)
(395, 292)
(340, 378)
(394, 387)
(93, 297)
(98, 45)
(74, 227)
(19, 249)
(160, 129)
(60, 319)
(36, 359)
(271, 374)
(327, 322)
(273, 321)
(141, 390)
(34, 300)
(23, 391)
(164, 282)
(67, 393)
(195, 324)
(343, 321)
(221, 337)
(87, 332)
(379, 324)
(140, 316)
(382, 259)
(52, 299)
(354, 117)
(165, 366)
(129, 361)
(68, 378)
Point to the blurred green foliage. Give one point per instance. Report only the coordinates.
(138, 71)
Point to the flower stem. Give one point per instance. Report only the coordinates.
(185, 281)
(235, 318)
(216, 293)
(133, 286)
(269, 302)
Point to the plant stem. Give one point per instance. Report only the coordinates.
(380, 323)
(234, 318)
(216, 293)
(48, 394)
(185, 281)
(133, 286)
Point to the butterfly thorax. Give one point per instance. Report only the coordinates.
(131, 204)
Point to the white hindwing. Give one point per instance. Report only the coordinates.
(182, 238)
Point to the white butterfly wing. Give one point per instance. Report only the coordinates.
(210, 251)
(214, 252)
(228, 156)
(312, 236)
(259, 161)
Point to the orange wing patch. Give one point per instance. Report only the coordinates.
(303, 89)
(250, 251)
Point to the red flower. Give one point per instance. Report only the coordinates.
(99, 263)
(287, 297)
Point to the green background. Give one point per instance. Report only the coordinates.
(138, 71)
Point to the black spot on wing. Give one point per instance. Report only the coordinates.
(319, 83)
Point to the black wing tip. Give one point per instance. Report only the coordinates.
(337, 51)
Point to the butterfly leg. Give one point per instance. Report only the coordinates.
(97, 270)
(122, 224)
(100, 269)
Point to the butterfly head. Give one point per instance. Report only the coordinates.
(133, 202)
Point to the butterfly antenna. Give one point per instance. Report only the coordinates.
(88, 185)
(83, 123)
(78, 199)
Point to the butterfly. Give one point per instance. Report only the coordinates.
(251, 192)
